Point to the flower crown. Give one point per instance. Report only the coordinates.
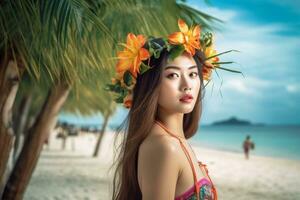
(130, 61)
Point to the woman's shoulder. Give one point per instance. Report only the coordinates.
(158, 164)
(158, 141)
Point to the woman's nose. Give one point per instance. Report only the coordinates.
(185, 83)
(186, 89)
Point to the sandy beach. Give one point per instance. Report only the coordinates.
(74, 174)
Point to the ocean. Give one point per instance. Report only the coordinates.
(270, 140)
(273, 141)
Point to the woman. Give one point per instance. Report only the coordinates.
(165, 90)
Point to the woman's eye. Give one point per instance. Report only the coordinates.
(194, 74)
(172, 75)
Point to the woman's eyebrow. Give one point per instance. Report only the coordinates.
(178, 68)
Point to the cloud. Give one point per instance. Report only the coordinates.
(293, 88)
(269, 89)
(253, 39)
(264, 52)
(225, 15)
(249, 86)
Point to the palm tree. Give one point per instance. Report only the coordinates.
(53, 56)
(61, 43)
(91, 99)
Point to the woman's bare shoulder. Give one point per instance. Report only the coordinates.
(158, 166)
(157, 141)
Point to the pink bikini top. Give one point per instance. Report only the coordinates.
(202, 189)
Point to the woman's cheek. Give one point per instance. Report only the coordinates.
(167, 94)
(170, 89)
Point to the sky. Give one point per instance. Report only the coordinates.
(267, 34)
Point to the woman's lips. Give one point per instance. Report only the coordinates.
(187, 99)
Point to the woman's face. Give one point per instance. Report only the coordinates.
(179, 79)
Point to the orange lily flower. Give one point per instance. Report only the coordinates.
(132, 55)
(207, 70)
(208, 67)
(189, 38)
(209, 51)
(127, 102)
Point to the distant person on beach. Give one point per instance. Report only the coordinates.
(62, 134)
(47, 142)
(163, 90)
(247, 145)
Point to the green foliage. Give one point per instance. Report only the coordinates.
(128, 78)
(175, 51)
(74, 40)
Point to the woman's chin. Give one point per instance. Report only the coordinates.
(185, 109)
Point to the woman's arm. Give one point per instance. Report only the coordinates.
(158, 169)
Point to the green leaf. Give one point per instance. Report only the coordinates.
(221, 63)
(118, 89)
(155, 49)
(156, 45)
(127, 77)
(206, 39)
(119, 99)
(109, 87)
(176, 51)
(167, 44)
(144, 68)
(221, 54)
(124, 92)
(156, 53)
(230, 70)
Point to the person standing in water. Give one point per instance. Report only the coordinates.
(161, 82)
(247, 145)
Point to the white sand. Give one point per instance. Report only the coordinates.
(257, 178)
(67, 174)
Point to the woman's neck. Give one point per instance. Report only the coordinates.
(173, 122)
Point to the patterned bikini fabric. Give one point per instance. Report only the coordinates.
(205, 192)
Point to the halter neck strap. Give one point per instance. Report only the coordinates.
(186, 153)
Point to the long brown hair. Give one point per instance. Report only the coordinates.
(139, 122)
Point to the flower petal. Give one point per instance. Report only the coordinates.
(195, 44)
(176, 38)
(192, 50)
(196, 31)
(189, 49)
(144, 54)
(128, 104)
(206, 72)
(182, 26)
(142, 40)
(130, 39)
(123, 55)
(136, 66)
(123, 65)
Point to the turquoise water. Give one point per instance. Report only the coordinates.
(274, 141)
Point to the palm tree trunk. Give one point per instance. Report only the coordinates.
(34, 141)
(100, 136)
(22, 115)
(9, 83)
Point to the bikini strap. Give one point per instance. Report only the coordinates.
(187, 155)
(212, 184)
(201, 164)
